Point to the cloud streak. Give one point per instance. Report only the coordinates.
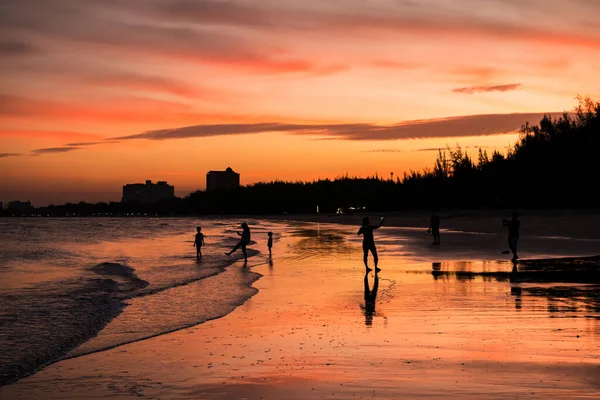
(148, 83)
(42, 134)
(122, 31)
(53, 150)
(82, 144)
(2, 155)
(470, 125)
(354, 16)
(420, 150)
(383, 151)
(487, 88)
(254, 35)
(436, 17)
(130, 109)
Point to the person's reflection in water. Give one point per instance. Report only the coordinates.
(514, 273)
(370, 299)
(517, 292)
(514, 268)
(436, 270)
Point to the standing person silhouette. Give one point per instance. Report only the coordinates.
(434, 228)
(513, 233)
(270, 243)
(199, 242)
(244, 240)
(369, 242)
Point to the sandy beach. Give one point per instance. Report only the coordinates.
(319, 327)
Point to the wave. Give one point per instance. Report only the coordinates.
(112, 307)
(174, 309)
(84, 305)
(124, 276)
(40, 328)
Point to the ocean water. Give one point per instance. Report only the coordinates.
(73, 286)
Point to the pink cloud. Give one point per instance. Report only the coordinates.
(122, 109)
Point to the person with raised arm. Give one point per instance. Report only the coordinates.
(369, 241)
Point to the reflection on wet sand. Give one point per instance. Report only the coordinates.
(569, 286)
(470, 270)
(566, 270)
(370, 299)
(317, 241)
(569, 301)
(574, 270)
(516, 291)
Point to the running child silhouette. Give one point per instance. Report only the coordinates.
(369, 241)
(199, 242)
(244, 241)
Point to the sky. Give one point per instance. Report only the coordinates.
(98, 94)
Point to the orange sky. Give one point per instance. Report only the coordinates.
(274, 89)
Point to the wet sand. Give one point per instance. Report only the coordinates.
(443, 324)
(579, 224)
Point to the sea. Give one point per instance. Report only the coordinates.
(73, 286)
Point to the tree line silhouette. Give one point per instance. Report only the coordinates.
(552, 165)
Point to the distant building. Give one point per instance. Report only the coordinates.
(222, 180)
(148, 192)
(19, 205)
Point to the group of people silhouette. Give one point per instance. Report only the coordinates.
(244, 241)
(368, 245)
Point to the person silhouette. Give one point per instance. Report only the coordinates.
(370, 298)
(513, 233)
(199, 242)
(369, 241)
(434, 228)
(270, 243)
(244, 241)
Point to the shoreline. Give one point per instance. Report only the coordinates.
(317, 216)
(124, 300)
(97, 285)
(302, 322)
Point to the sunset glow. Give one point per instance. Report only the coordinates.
(97, 94)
